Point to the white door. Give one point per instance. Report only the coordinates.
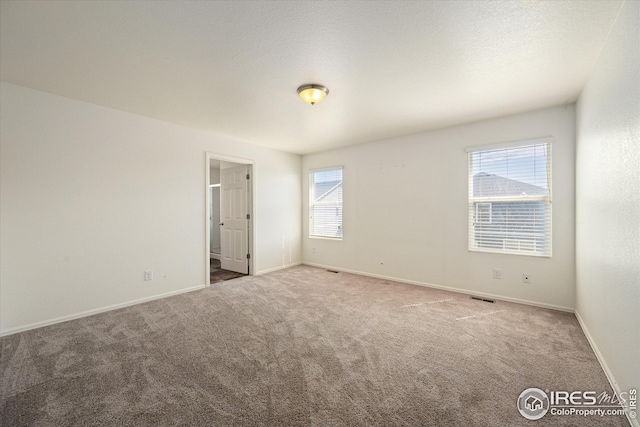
(233, 221)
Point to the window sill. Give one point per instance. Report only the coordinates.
(326, 238)
(489, 251)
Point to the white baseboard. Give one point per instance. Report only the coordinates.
(282, 267)
(614, 384)
(446, 288)
(96, 311)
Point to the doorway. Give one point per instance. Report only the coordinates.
(214, 221)
(230, 219)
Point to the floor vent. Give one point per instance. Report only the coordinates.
(333, 271)
(482, 299)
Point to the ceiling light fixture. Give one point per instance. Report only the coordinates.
(313, 93)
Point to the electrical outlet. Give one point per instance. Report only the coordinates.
(497, 273)
(148, 275)
(526, 278)
(313, 250)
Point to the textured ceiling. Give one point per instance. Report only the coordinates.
(393, 68)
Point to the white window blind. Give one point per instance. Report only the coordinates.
(510, 198)
(325, 203)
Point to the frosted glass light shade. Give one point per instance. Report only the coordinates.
(312, 94)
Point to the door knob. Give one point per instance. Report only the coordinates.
(222, 223)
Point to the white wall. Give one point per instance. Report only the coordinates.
(92, 197)
(608, 202)
(405, 211)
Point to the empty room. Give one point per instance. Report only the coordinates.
(319, 213)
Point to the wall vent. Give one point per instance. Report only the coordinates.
(482, 299)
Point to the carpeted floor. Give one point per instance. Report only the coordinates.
(298, 347)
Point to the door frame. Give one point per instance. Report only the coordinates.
(211, 187)
(251, 203)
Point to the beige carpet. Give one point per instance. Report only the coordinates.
(298, 347)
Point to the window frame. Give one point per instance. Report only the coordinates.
(339, 204)
(491, 200)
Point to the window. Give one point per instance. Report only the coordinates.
(483, 213)
(325, 203)
(510, 198)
